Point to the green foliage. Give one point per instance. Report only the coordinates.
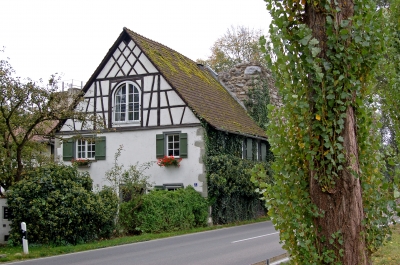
(237, 45)
(387, 92)
(132, 181)
(59, 207)
(163, 211)
(231, 193)
(318, 83)
(257, 102)
(29, 113)
(230, 190)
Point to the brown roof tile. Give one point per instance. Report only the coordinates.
(208, 99)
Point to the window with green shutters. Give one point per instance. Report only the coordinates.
(90, 148)
(172, 144)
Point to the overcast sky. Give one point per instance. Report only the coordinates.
(71, 37)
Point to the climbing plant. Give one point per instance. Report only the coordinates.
(231, 193)
(257, 102)
(329, 199)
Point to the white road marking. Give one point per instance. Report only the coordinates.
(253, 237)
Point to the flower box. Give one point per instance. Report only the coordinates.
(169, 161)
(81, 162)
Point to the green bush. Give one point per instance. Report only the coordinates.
(162, 211)
(230, 190)
(59, 207)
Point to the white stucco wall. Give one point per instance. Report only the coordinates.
(140, 146)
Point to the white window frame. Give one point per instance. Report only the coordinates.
(85, 147)
(175, 148)
(134, 110)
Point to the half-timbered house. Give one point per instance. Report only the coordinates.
(154, 102)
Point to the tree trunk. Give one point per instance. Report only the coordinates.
(342, 205)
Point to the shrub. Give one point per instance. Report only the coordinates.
(162, 211)
(59, 207)
(232, 194)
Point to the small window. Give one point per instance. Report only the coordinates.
(172, 186)
(85, 149)
(247, 149)
(127, 103)
(171, 144)
(93, 148)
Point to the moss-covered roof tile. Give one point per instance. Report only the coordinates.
(202, 92)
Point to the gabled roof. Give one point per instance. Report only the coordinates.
(207, 98)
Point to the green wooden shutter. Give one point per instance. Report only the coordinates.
(263, 152)
(183, 145)
(100, 152)
(68, 149)
(249, 151)
(160, 145)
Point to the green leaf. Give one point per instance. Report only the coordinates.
(314, 41)
(344, 23)
(315, 51)
(305, 40)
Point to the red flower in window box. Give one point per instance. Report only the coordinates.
(81, 162)
(167, 161)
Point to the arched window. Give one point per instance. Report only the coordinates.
(127, 103)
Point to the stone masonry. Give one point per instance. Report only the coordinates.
(244, 76)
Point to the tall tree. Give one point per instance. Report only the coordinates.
(29, 111)
(329, 197)
(237, 45)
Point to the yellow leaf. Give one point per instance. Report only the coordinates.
(301, 145)
(326, 152)
(318, 117)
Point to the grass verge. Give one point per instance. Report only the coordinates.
(389, 254)
(39, 251)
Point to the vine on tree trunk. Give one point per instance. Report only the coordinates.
(329, 196)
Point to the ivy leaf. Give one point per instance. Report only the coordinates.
(314, 41)
(315, 51)
(344, 23)
(305, 40)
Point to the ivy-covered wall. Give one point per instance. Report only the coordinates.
(231, 193)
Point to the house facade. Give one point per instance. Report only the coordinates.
(153, 102)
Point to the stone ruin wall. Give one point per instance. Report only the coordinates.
(244, 76)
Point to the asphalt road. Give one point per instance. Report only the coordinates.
(241, 245)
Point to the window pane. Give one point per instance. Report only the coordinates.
(176, 152)
(130, 116)
(91, 149)
(136, 116)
